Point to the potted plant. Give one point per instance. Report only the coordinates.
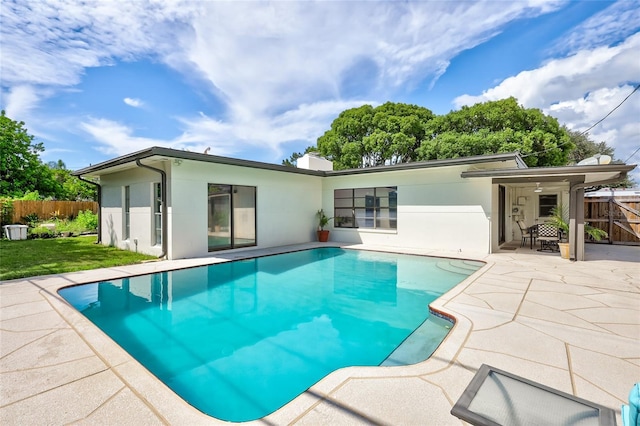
(323, 220)
(557, 220)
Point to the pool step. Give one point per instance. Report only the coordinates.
(421, 343)
(458, 266)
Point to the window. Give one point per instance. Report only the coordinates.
(231, 216)
(546, 203)
(373, 208)
(127, 211)
(157, 213)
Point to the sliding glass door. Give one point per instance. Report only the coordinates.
(231, 216)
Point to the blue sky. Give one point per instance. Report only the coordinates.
(260, 80)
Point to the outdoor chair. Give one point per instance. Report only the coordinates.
(526, 232)
(549, 236)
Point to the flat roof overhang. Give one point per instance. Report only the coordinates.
(570, 174)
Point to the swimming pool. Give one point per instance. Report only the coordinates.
(238, 340)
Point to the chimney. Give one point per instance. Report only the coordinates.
(313, 161)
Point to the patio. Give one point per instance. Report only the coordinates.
(574, 326)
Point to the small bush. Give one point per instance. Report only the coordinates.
(87, 220)
(31, 219)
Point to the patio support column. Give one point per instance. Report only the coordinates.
(576, 223)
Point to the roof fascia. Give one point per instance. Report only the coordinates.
(187, 155)
(550, 171)
(433, 163)
(194, 156)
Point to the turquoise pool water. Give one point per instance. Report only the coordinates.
(238, 340)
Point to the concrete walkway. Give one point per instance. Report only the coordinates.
(574, 326)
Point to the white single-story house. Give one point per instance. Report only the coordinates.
(179, 204)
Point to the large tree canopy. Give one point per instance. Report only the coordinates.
(398, 133)
(497, 127)
(21, 170)
(367, 136)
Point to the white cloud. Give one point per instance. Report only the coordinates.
(136, 103)
(20, 100)
(616, 22)
(304, 123)
(117, 139)
(266, 56)
(52, 42)
(269, 62)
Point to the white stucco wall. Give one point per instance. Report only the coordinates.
(141, 183)
(286, 205)
(437, 209)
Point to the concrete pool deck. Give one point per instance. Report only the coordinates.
(573, 326)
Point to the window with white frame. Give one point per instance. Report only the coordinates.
(157, 213)
(127, 213)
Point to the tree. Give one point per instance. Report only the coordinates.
(368, 136)
(20, 167)
(497, 127)
(78, 190)
(72, 188)
(399, 133)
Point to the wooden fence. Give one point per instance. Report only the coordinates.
(619, 216)
(50, 209)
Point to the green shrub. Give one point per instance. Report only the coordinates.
(31, 219)
(31, 196)
(6, 211)
(87, 220)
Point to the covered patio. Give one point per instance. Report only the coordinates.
(529, 194)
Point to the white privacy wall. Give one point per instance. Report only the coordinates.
(437, 209)
(140, 182)
(286, 205)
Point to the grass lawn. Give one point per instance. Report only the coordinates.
(28, 258)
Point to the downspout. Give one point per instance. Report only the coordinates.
(99, 206)
(573, 227)
(163, 199)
